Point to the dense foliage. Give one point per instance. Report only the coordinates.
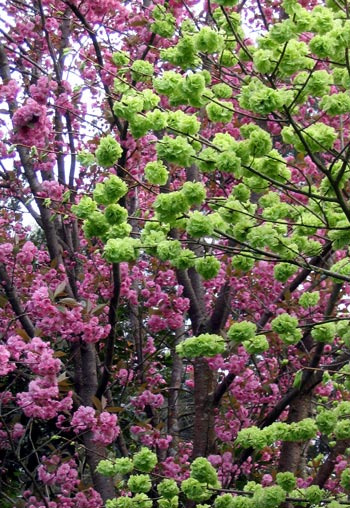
(174, 265)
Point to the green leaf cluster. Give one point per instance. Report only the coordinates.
(205, 344)
(164, 22)
(117, 250)
(208, 267)
(318, 137)
(111, 190)
(261, 99)
(286, 327)
(309, 299)
(84, 208)
(156, 173)
(108, 152)
(176, 150)
(145, 460)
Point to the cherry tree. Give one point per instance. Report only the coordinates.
(174, 254)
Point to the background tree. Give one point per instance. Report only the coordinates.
(177, 305)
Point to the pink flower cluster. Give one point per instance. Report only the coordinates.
(40, 91)
(147, 398)
(153, 377)
(104, 426)
(5, 250)
(42, 400)
(27, 254)
(31, 124)
(10, 435)
(95, 11)
(5, 365)
(172, 469)
(88, 498)
(151, 437)
(53, 472)
(167, 308)
(24, 256)
(72, 324)
(149, 348)
(51, 189)
(178, 467)
(62, 477)
(170, 314)
(124, 376)
(9, 91)
(40, 358)
(224, 465)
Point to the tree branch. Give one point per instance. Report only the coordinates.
(326, 469)
(15, 302)
(109, 346)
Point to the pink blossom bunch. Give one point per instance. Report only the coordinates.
(5, 251)
(27, 253)
(42, 399)
(106, 429)
(171, 469)
(124, 376)
(151, 437)
(5, 365)
(51, 189)
(103, 426)
(40, 358)
(53, 471)
(40, 91)
(70, 323)
(9, 91)
(224, 465)
(156, 323)
(154, 377)
(32, 125)
(147, 398)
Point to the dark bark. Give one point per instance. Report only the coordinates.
(109, 346)
(94, 453)
(15, 302)
(291, 452)
(309, 382)
(204, 381)
(290, 458)
(221, 310)
(203, 438)
(196, 312)
(174, 395)
(327, 468)
(319, 260)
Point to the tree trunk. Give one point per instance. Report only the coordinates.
(94, 453)
(292, 452)
(174, 396)
(204, 438)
